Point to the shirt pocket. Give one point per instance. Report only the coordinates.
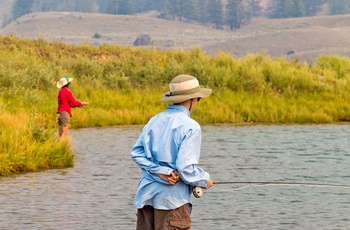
(179, 225)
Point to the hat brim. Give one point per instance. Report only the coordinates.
(60, 85)
(202, 93)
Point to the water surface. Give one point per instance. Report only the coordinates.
(97, 193)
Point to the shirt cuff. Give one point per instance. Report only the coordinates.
(163, 170)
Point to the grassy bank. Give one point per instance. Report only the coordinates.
(27, 144)
(124, 85)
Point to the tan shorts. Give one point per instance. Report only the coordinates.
(149, 218)
(63, 118)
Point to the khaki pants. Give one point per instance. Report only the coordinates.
(149, 218)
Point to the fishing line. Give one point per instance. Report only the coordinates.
(102, 102)
(267, 183)
(198, 191)
(109, 104)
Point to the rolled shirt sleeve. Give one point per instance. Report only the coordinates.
(188, 158)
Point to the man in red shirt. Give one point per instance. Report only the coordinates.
(66, 101)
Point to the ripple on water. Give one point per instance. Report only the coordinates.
(98, 192)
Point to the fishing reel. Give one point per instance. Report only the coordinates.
(197, 192)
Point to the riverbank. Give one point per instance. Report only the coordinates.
(123, 86)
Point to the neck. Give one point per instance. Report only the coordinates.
(188, 104)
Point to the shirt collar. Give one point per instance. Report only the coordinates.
(179, 108)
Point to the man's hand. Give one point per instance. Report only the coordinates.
(210, 183)
(173, 178)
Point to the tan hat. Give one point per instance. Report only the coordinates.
(184, 87)
(64, 81)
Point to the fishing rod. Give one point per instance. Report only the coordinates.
(198, 191)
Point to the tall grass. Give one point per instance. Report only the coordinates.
(28, 144)
(124, 86)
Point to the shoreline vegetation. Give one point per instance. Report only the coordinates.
(123, 86)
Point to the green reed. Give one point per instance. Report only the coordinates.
(123, 86)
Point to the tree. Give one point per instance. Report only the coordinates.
(171, 9)
(202, 9)
(21, 7)
(339, 7)
(215, 12)
(285, 8)
(254, 7)
(233, 13)
(107, 6)
(189, 10)
(147, 5)
(43, 6)
(297, 10)
(87, 6)
(239, 12)
(312, 7)
(181, 9)
(102, 6)
(112, 7)
(275, 9)
(125, 7)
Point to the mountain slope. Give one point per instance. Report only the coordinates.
(302, 38)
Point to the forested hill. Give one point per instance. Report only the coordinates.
(221, 13)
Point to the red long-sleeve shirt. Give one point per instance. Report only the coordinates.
(66, 101)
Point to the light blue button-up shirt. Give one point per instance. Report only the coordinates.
(170, 141)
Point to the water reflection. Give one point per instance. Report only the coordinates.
(97, 192)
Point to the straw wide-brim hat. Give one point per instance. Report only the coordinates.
(64, 81)
(184, 87)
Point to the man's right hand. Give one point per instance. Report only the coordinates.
(173, 178)
(210, 183)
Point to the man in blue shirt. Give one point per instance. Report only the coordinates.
(168, 152)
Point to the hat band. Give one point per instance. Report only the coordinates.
(184, 92)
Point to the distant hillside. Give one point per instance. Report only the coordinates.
(77, 28)
(303, 38)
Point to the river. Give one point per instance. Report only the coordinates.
(97, 193)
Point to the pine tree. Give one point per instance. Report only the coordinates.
(181, 9)
(125, 7)
(297, 10)
(112, 7)
(147, 5)
(107, 6)
(233, 14)
(312, 7)
(274, 9)
(202, 9)
(281, 8)
(215, 12)
(171, 9)
(254, 7)
(189, 10)
(339, 7)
